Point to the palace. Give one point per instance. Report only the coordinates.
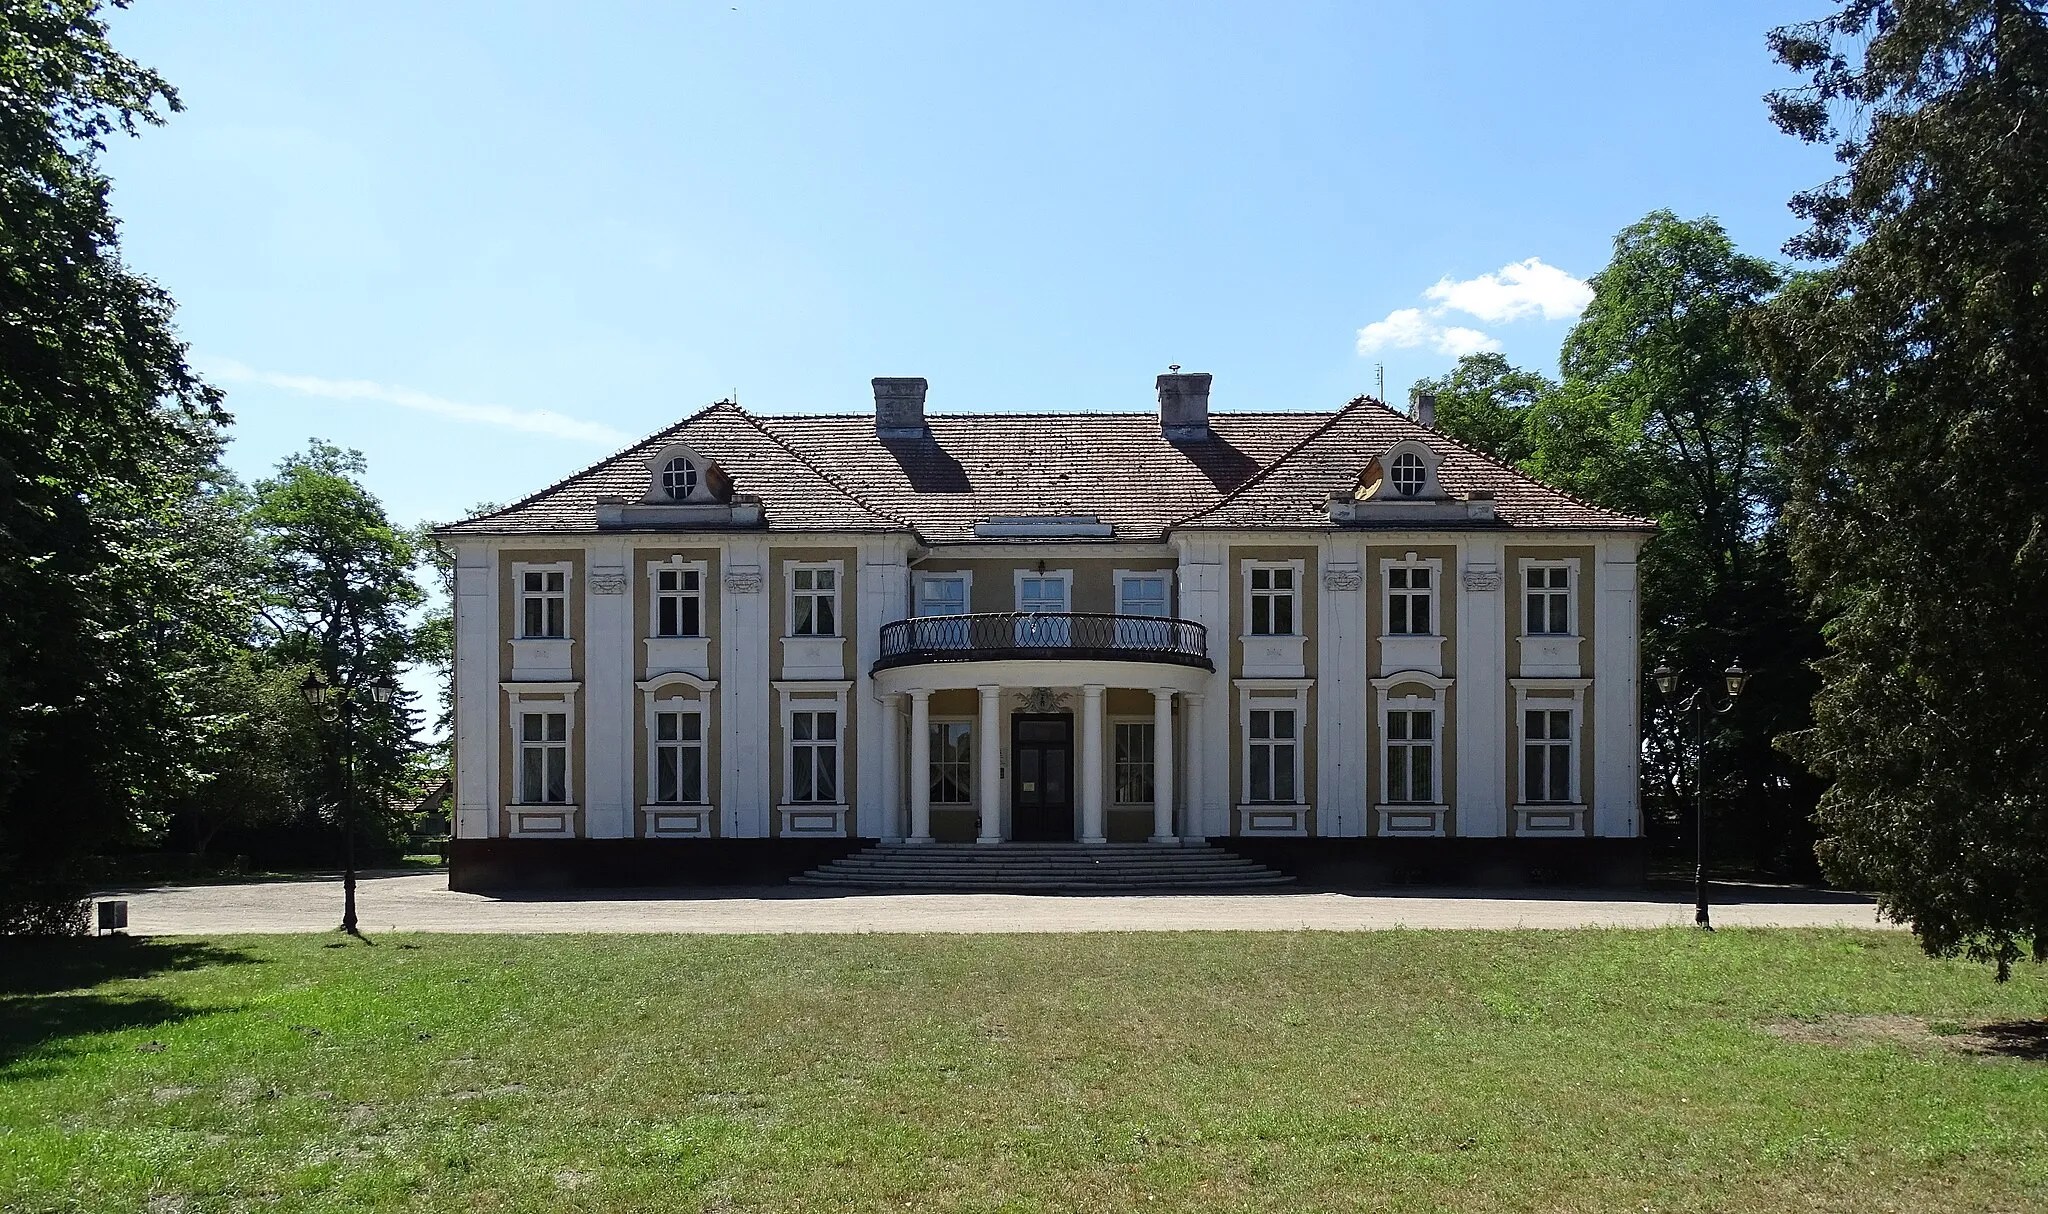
(751, 643)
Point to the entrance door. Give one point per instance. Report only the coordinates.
(1042, 776)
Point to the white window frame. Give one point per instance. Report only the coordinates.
(973, 761)
(838, 571)
(1435, 568)
(1299, 569)
(541, 698)
(1254, 698)
(520, 594)
(964, 576)
(1571, 593)
(813, 696)
(1165, 577)
(655, 594)
(1148, 757)
(689, 707)
(1550, 695)
(1064, 576)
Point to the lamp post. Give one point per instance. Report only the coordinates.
(1695, 702)
(337, 703)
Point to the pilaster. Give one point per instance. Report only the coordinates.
(743, 689)
(1484, 596)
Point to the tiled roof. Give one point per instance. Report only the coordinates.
(833, 473)
(795, 496)
(1292, 493)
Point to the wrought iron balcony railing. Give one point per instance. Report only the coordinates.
(1024, 634)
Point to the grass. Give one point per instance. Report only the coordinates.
(1581, 1071)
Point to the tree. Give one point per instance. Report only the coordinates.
(1486, 402)
(1916, 364)
(1665, 410)
(340, 589)
(108, 450)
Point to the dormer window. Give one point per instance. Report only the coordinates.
(679, 479)
(1409, 474)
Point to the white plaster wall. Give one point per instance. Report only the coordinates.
(744, 689)
(884, 597)
(1617, 689)
(1340, 692)
(1482, 689)
(476, 680)
(608, 689)
(1204, 597)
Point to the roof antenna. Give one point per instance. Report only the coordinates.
(1380, 369)
(1173, 368)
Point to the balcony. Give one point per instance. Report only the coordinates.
(1015, 635)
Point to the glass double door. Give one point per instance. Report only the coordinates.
(1042, 777)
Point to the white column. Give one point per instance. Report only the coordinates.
(1091, 766)
(891, 764)
(1191, 820)
(1162, 767)
(920, 774)
(989, 781)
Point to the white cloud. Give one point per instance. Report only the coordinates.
(1516, 291)
(532, 421)
(1407, 328)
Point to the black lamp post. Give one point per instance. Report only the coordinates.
(338, 704)
(1695, 703)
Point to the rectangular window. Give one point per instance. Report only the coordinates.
(1547, 755)
(1272, 602)
(1134, 763)
(1411, 742)
(679, 758)
(1047, 594)
(1408, 592)
(1549, 601)
(814, 603)
(952, 763)
(543, 758)
(814, 757)
(1142, 594)
(1269, 760)
(938, 595)
(543, 603)
(678, 603)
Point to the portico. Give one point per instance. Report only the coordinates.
(1049, 762)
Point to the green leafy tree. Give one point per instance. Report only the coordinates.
(1665, 410)
(1916, 363)
(340, 590)
(108, 448)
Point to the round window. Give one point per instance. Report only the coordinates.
(1408, 474)
(679, 478)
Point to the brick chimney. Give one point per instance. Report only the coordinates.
(899, 407)
(1184, 406)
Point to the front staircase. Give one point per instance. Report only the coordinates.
(1044, 868)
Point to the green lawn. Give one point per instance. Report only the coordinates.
(1594, 1071)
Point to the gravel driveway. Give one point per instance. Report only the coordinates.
(422, 902)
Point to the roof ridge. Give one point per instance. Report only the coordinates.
(1082, 413)
(823, 475)
(535, 496)
(1278, 460)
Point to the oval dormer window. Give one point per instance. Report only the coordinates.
(1408, 474)
(678, 479)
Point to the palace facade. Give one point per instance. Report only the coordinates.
(761, 636)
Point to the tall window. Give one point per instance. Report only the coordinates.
(941, 595)
(1043, 595)
(679, 758)
(543, 603)
(1408, 593)
(1269, 763)
(1272, 602)
(1411, 742)
(1134, 763)
(543, 758)
(814, 757)
(678, 603)
(1547, 755)
(952, 763)
(1549, 600)
(814, 602)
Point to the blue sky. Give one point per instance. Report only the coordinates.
(489, 243)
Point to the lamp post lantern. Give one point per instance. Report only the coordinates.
(1735, 678)
(335, 703)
